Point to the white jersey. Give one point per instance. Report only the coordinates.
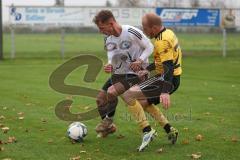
(131, 45)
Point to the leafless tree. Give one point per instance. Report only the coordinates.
(195, 3)
(129, 3)
(59, 2)
(108, 3)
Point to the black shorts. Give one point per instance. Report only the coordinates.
(127, 80)
(152, 87)
(107, 84)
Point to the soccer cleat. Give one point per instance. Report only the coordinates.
(108, 131)
(105, 127)
(173, 135)
(147, 138)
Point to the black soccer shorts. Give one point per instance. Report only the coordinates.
(127, 80)
(154, 86)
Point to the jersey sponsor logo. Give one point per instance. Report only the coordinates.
(110, 46)
(125, 45)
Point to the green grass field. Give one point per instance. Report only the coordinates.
(207, 103)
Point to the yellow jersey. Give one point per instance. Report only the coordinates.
(166, 48)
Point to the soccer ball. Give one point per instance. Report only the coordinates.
(77, 131)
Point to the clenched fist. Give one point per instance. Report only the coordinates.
(108, 68)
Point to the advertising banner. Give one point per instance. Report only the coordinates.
(80, 16)
(189, 17)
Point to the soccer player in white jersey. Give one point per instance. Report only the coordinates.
(128, 50)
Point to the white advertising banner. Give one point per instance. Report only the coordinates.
(77, 16)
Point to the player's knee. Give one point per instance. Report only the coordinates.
(127, 98)
(144, 103)
(101, 99)
(112, 94)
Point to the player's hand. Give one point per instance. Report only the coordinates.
(136, 66)
(108, 68)
(165, 100)
(143, 74)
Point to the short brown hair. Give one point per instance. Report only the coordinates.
(103, 16)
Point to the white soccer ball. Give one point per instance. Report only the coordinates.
(77, 131)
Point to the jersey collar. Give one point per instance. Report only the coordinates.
(164, 29)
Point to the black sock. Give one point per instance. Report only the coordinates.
(112, 108)
(167, 127)
(102, 111)
(111, 114)
(147, 129)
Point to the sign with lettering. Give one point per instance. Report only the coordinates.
(189, 17)
(79, 16)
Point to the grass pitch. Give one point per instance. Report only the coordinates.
(207, 103)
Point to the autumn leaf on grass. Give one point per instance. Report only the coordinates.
(83, 151)
(5, 129)
(28, 104)
(207, 113)
(1, 149)
(20, 113)
(185, 141)
(50, 141)
(185, 129)
(12, 140)
(21, 118)
(221, 120)
(210, 98)
(199, 137)
(120, 136)
(160, 150)
(1, 125)
(2, 117)
(43, 120)
(75, 158)
(196, 155)
(42, 129)
(234, 139)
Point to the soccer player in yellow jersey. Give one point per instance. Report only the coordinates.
(167, 65)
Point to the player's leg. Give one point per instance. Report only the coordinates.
(121, 83)
(157, 114)
(136, 109)
(114, 91)
(115, 86)
(162, 120)
(102, 103)
(173, 134)
(106, 111)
